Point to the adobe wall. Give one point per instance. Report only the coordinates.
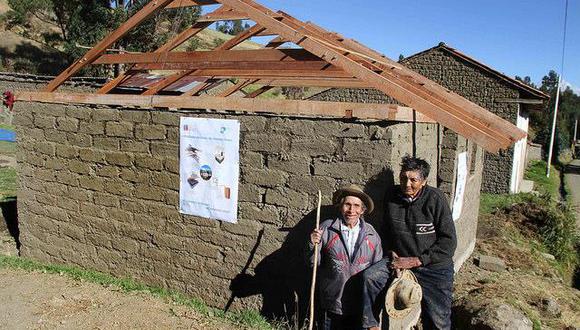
(99, 188)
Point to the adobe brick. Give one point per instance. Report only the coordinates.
(80, 139)
(92, 128)
(311, 184)
(136, 116)
(250, 193)
(341, 170)
(74, 232)
(91, 183)
(69, 205)
(134, 176)
(80, 194)
(79, 167)
(32, 159)
(35, 134)
(123, 244)
(149, 192)
(119, 158)
(165, 180)
(106, 143)
(67, 124)
(118, 187)
(351, 130)
(173, 134)
(164, 149)
(293, 164)
(150, 132)
(165, 118)
(242, 228)
(56, 136)
(107, 171)
(148, 162)
(171, 165)
(134, 146)
(119, 215)
(265, 142)
(46, 148)
(314, 146)
(253, 124)
(264, 214)
(91, 155)
(266, 178)
(252, 159)
(78, 112)
(44, 122)
(106, 199)
(103, 114)
(67, 178)
(287, 197)
(90, 209)
(172, 197)
(119, 129)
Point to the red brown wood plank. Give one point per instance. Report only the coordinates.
(256, 55)
(147, 11)
(190, 3)
(280, 107)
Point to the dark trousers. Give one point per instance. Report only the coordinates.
(331, 321)
(437, 286)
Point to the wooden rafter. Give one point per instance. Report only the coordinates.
(283, 107)
(326, 59)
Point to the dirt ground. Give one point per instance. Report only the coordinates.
(36, 300)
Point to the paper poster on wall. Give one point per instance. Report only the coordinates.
(460, 184)
(209, 168)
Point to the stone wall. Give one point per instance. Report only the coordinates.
(467, 80)
(99, 188)
(20, 81)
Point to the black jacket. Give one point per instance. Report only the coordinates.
(422, 228)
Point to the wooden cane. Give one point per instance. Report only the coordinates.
(313, 285)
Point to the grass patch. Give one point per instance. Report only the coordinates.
(248, 318)
(7, 127)
(8, 183)
(490, 203)
(536, 172)
(7, 148)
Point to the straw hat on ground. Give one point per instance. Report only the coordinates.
(403, 301)
(356, 191)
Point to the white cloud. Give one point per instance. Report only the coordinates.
(574, 88)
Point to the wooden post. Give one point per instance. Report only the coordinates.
(313, 285)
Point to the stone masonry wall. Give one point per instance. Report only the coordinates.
(99, 188)
(466, 80)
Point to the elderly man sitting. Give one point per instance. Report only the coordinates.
(348, 245)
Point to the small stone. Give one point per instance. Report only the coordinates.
(548, 256)
(551, 307)
(501, 317)
(491, 263)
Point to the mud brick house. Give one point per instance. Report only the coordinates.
(99, 169)
(506, 97)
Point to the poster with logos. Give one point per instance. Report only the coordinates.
(209, 168)
(460, 185)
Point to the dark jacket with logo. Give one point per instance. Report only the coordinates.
(422, 228)
(338, 290)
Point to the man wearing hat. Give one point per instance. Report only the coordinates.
(420, 233)
(347, 245)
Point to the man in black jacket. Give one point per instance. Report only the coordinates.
(420, 233)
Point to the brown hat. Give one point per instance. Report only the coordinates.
(353, 190)
(403, 301)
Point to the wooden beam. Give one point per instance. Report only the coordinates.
(190, 3)
(200, 87)
(255, 55)
(520, 101)
(228, 15)
(236, 87)
(147, 11)
(281, 107)
(259, 91)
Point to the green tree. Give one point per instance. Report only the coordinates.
(232, 27)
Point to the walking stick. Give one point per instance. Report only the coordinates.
(313, 285)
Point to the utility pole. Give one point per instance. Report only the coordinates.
(557, 94)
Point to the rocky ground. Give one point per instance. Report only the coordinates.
(523, 289)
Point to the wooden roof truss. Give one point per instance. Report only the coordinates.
(319, 58)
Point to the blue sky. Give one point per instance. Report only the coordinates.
(516, 37)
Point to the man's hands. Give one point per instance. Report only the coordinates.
(399, 263)
(315, 236)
